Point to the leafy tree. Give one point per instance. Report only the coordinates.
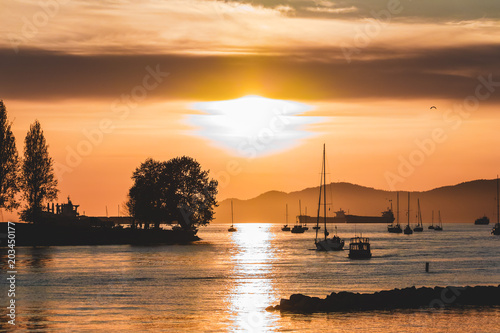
(9, 163)
(38, 180)
(176, 191)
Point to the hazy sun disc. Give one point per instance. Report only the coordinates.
(252, 126)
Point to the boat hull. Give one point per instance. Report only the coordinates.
(359, 248)
(297, 230)
(329, 245)
(387, 218)
(482, 221)
(360, 255)
(394, 229)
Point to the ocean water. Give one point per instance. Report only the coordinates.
(224, 282)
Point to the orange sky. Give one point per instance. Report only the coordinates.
(369, 81)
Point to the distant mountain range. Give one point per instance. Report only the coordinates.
(461, 203)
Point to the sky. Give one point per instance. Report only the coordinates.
(405, 94)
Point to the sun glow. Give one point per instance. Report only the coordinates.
(252, 126)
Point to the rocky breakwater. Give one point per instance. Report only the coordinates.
(406, 298)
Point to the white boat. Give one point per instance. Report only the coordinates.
(325, 244)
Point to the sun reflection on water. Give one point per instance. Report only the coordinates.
(253, 291)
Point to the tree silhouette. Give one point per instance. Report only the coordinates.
(9, 163)
(176, 191)
(38, 180)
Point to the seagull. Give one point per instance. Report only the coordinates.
(433, 107)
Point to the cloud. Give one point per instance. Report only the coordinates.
(316, 74)
(330, 10)
(252, 126)
(230, 27)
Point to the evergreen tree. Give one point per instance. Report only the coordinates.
(9, 163)
(38, 180)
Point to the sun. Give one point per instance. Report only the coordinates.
(252, 126)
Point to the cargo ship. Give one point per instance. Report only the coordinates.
(341, 217)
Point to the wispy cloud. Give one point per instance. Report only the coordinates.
(217, 27)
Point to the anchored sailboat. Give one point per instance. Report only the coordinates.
(420, 226)
(439, 227)
(408, 230)
(496, 228)
(395, 228)
(286, 227)
(232, 228)
(326, 244)
(432, 225)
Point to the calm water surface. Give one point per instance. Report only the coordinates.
(224, 282)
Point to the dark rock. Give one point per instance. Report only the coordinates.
(406, 298)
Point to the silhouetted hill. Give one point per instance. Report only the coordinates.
(458, 203)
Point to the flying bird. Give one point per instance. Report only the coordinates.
(433, 107)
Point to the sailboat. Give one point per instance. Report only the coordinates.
(286, 227)
(420, 226)
(496, 228)
(439, 227)
(395, 228)
(408, 230)
(232, 228)
(432, 225)
(326, 244)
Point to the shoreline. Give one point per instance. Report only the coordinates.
(27, 234)
(406, 298)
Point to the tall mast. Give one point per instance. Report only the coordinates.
(397, 205)
(286, 214)
(498, 204)
(324, 186)
(418, 212)
(231, 212)
(408, 208)
(319, 204)
(300, 209)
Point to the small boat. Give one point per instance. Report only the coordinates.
(482, 220)
(297, 229)
(432, 224)
(359, 248)
(231, 228)
(439, 227)
(496, 228)
(316, 227)
(408, 230)
(325, 244)
(286, 227)
(395, 228)
(420, 226)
